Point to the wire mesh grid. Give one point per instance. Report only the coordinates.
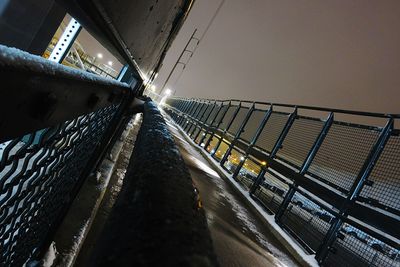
(213, 114)
(213, 143)
(220, 115)
(299, 141)
(342, 155)
(271, 191)
(249, 172)
(206, 112)
(221, 150)
(239, 119)
(194, 132)
(271, 132)
(37, 174)
(201, 111)
(233, 160)
(228, 117)
(186, 126)
(354, 247)
(200, 136)
(307, 221)
(252, 125)
(193, 109)
(384, 192)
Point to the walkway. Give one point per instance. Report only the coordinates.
(239, 236)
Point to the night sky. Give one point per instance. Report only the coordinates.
(341, 54)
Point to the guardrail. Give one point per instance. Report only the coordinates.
(330, 177)
(56, 125)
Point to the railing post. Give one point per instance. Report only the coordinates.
(355, 190)
(190, 115)
(304, 168)
(186, 111)
(205, 121)
(258, 181)
(284, 132)
(212, 122)
(253, 141)
(238, 133)
(229, 125)
(198, 119)
(277, 146)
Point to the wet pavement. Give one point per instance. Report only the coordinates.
(240, 238)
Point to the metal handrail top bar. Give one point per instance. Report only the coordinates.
(316, 108)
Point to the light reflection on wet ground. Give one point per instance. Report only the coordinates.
(240, 238)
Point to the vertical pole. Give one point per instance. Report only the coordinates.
(203, 123)
(178, 60)
(66, 41)
(238, 133)
(229, 125)
(284, 132)
(293, 187)
(211, 125)
(254, 140)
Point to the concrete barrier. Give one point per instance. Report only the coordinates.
(155, 221)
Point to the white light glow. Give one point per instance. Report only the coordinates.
(241, 158)
(110, 63)
(168, 91)
(100, 55)
(153, 88)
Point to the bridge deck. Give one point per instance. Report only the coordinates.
(239, 237)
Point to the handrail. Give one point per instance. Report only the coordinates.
(40, 93)
(316, 108)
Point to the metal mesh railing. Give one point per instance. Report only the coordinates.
(317, 174)
(56, 125)
(37, 175)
